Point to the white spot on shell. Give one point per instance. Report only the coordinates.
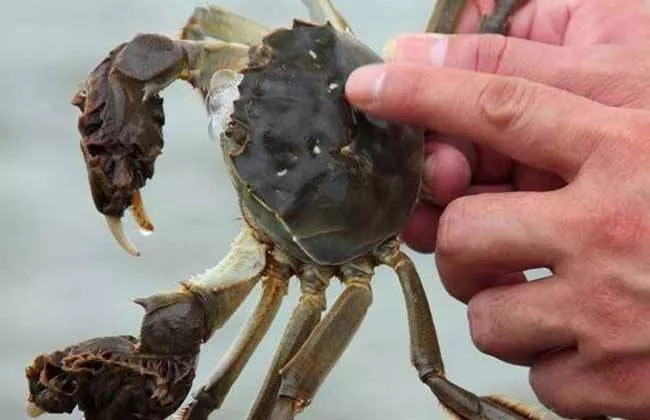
(222, 94)
(282, 172)
(332, 86)
(316, 150)
(313, 54)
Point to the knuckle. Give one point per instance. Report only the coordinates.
(611, 324)
(626, 138)
(617, 226)
(549, 393)
(503, 102)
(491, 53)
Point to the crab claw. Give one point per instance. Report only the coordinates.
(125, 377)
(121, 124)
(140, 215)
(121, 136)
(32, 410)
(117, 229)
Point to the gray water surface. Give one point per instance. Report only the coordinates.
(64, 278)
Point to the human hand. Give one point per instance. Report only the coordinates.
(587, 64)
(584, 331)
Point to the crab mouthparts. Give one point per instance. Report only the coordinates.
(140, 217)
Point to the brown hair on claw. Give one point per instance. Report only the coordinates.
(123, 377)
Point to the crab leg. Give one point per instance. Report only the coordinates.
(322, 11)
(215, 22)
(304, 373)
(425, 351)
(445, 16)
(446, 13)
(218, 55)
(225, 286)
(306, 315)
(497, 22)
(211, 395)
(154, 62)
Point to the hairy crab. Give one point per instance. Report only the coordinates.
(324, 192)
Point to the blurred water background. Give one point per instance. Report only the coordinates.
(64, 279)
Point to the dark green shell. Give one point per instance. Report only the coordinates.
(322, 180)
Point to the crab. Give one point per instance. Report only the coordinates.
(324, 192)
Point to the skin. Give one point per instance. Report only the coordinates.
(559, 150)
(457, 166)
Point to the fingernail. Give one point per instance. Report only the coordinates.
(365, 84)
(438, 50)
(426, 49)
(430, 164)
(474, 324)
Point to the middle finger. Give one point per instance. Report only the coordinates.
(483, 237)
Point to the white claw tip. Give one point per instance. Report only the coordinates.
(117, 229)
(33, 410)
(145, 232)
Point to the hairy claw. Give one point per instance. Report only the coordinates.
(121, 125)
(121, 133)
(122, 116)
(124, 377)
(117, 229)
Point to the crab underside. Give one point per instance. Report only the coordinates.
(324, 191)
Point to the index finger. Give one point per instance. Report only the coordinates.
(537, 125)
